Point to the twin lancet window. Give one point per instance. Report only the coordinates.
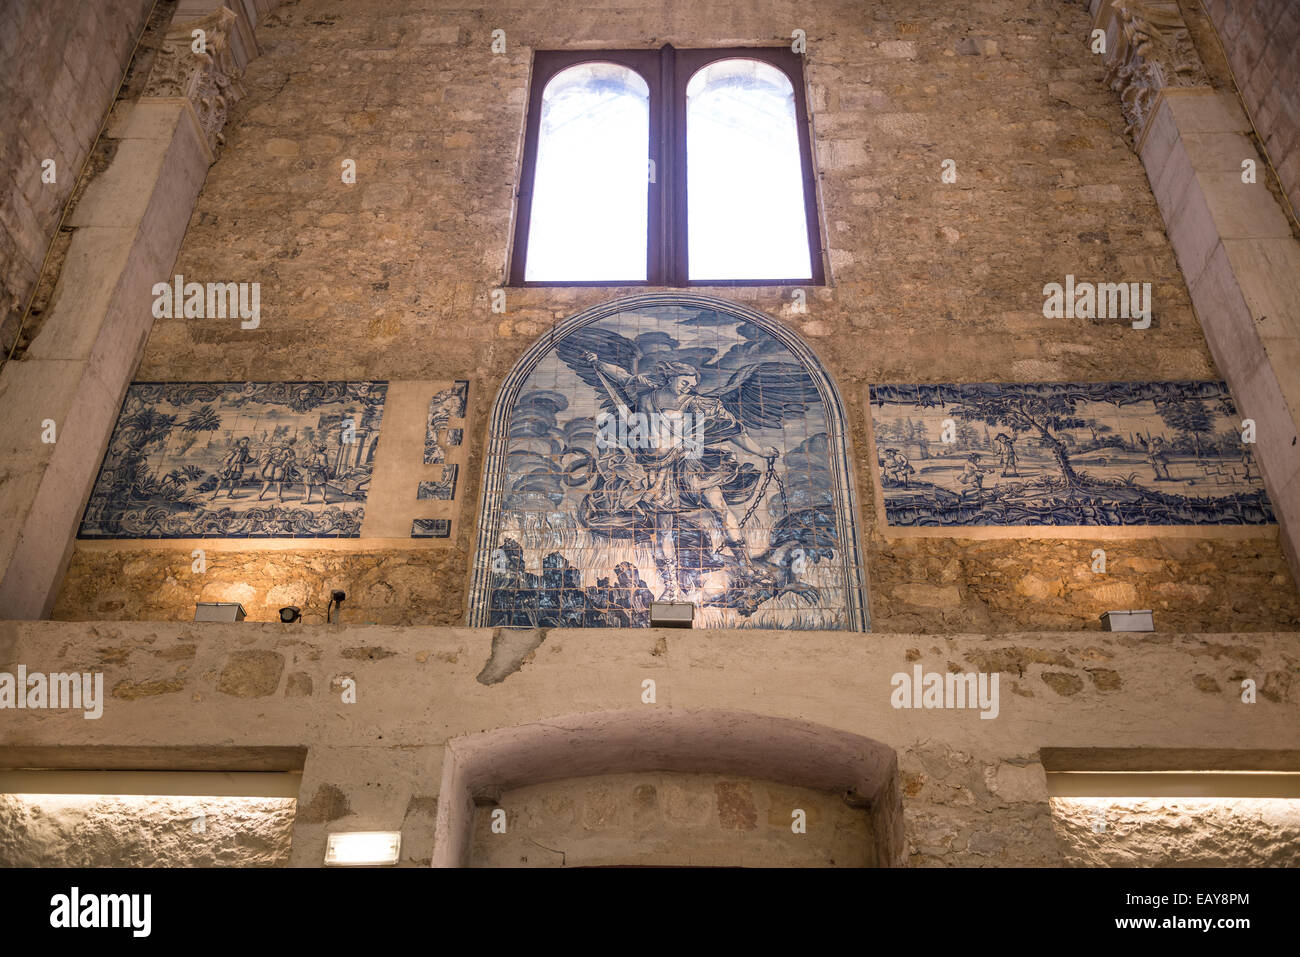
(667, 167)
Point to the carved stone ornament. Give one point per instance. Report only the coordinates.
(209, 80)
(1151, 49)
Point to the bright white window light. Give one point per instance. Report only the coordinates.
(363, 848)
(588, 218)
(745, 188)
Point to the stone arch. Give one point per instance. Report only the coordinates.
(577, 531)
(478, 768)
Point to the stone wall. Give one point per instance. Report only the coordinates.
(63, 62)
(392, 587)
(1260, 39)
(974, 791)
(77, 830)
(660, 819)
(391, 277)
(916, 584)
(939, 585)
(1178, 832)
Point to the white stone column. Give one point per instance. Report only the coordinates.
(129, 227)
(1232, 239)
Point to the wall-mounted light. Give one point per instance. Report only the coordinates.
(290, 613)
(218, 611)
(335, 606)
(671, 614)
(1174, 784)
(363, 849)
(1127, 620)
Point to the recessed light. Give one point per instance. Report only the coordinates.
(363, 848)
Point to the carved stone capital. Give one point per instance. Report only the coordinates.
(208, 79)
(1148, 49)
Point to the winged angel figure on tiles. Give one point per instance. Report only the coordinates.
(668, 454)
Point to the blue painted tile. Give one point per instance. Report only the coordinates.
(443, 407)
(238, 460)
(589, 530)
(431, 528)
(444, 489)
(1116, 453)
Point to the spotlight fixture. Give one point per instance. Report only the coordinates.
(290, 613)
(335, 606)
(671, 614)
(218, 611)
(1128, 620)
(362, 848)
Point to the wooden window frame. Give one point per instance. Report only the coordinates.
(666, 71)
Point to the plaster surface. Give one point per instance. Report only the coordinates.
(971, 790)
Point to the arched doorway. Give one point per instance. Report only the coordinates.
(481, 768)
(668, 447)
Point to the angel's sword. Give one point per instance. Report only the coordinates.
(616, 394)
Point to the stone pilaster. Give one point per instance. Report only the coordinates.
(1232, 239)
(128, 231)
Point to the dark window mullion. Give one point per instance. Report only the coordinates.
(658, 188)
(666, 236)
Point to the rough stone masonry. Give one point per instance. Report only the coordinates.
(392, 276)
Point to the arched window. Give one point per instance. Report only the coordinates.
(667, 167)
(745, 195)
(588, 215)
(668, 447)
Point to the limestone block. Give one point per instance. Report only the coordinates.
(31, 392)
(937, 596)
(142, 203)
(898, 49)
(1222, 153)
(1268, 274)
(1178, 832)
(120, 195)
(18, 486)
(1188, 217)
(251, 674)
(1205, 111)
(378, 789)
(1266, 387)
(1241, 210)
(88, 282)
(665, 818)
(1229, 326)
(81, 830)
